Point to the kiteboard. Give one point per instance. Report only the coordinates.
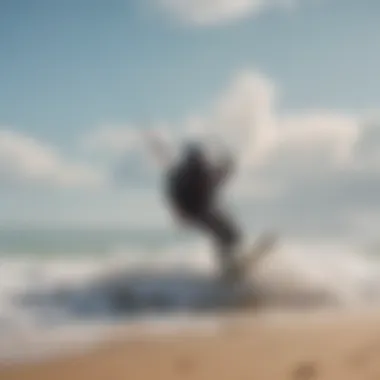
(251, 256)
(238, 288)
(262, 247)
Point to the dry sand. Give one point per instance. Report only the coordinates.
(341, 347)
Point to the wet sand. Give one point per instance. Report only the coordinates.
(302, 347)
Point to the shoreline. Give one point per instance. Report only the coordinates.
(334, 345)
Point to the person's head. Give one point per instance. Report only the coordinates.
(194, 154)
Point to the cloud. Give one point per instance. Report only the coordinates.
(306, 171)
(117, 140)
(277, 151)
(112, 140)
(310, 170)
(120, 149)
(212, 12)
(23, 160)
(126, 153)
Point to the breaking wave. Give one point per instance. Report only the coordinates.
(63, 294)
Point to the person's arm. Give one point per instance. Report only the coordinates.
(179, 218)
(161, 151)
(224, 170)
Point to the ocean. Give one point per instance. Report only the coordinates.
(69, 287)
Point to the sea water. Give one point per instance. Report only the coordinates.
(65, 288)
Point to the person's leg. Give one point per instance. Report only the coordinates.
(226, 236)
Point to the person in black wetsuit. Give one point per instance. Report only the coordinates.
(192, 190)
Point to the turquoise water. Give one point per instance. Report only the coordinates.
(84, 241)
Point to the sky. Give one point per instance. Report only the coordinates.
(290, 86)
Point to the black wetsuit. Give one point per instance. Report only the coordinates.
(192, 191)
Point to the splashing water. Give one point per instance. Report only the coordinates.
(73, 293)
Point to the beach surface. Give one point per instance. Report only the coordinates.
(336, 346)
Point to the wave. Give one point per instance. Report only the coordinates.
(50, 294)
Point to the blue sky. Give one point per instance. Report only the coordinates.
(68, 68)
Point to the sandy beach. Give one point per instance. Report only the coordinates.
(336, 347)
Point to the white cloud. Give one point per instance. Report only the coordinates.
(277, 150)
(303, 134)
(113, 140)
(310, 171)
(211, 12)
(128, 148)
(25, 160)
